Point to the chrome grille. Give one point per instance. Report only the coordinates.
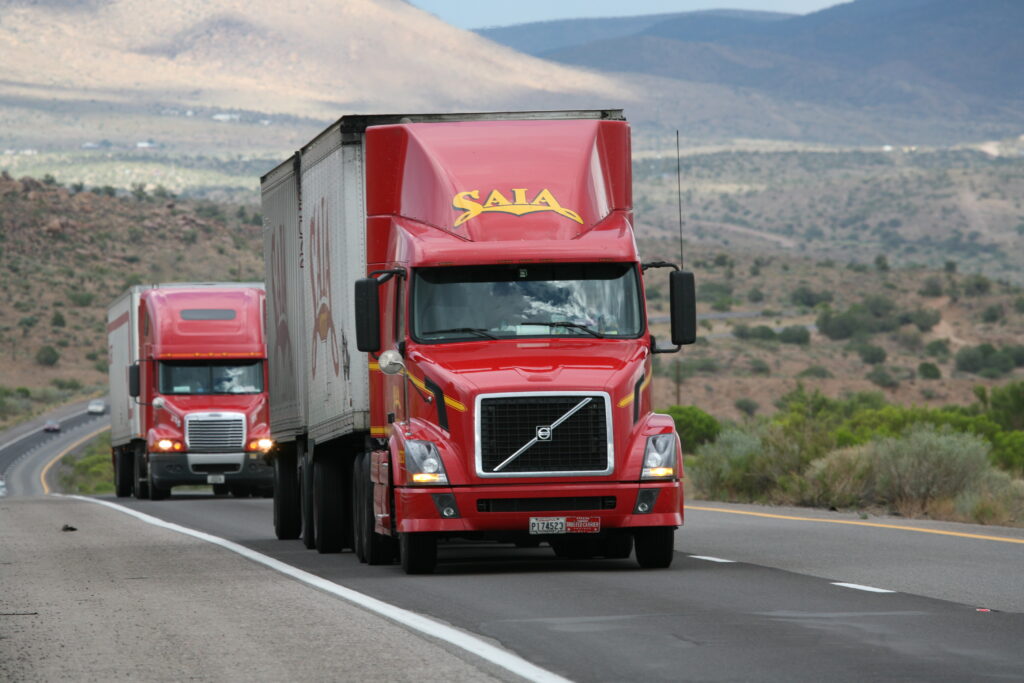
(215, 434)
(578, 444)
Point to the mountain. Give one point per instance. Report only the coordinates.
(946, 64)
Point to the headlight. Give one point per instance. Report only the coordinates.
(423, 463)
(263, 444)
(660, 457)
(168, 445)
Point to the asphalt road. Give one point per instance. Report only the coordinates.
(771, 611)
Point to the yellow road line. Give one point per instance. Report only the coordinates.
(982, 537)
(57, 458)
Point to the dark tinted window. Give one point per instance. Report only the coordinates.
(208, 314)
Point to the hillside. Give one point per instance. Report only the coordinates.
(65, 253)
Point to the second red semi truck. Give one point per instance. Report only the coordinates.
(188, 399)
(458, 340)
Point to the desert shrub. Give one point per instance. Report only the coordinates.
(928, 463)
(929, 371)
(695, 427)
(995, 499)
(66, 384)
(992, 314)
(47, 356)
(932, 287)
(795, 334)
(805, 296)
(747, 406)
(976, 285)
(1016, 352)
(712, 291)
(1006, 405)
(925, 318)
(909, 339)
(723, 303)
(870, 354)
(57, 319)
(1008, 451)
(755, 296)
(842, 479)
(81, 298)
(938, 348)
(882, 377)
(759, 367)
(1018, 304)
(984, 360)
(720, 468)
(815, 371)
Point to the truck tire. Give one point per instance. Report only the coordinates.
(141, 483)
(156, 492)
(220, 489)
(379, 549)
(358, 509)
(287, 513)
(328, 499)
(654, 546)
(419, 552)
(306, 498)
(575, 548)
(617, 545)
(123, 472)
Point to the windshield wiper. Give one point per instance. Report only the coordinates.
(563, 323)
(479, 331)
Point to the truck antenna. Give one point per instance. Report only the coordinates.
(679, 198)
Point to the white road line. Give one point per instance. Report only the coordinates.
(858, 587)
(417, 622)
(713, 559)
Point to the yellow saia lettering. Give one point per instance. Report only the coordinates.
(545, 198)
(464, 201)
(496, 198)
(519, 195)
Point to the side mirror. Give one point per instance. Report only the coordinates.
(367, 315)
(683, 305)
(390, 362)
(133, 381)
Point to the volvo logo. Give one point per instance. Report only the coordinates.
(543, 433)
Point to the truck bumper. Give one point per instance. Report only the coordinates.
(509, 508)
(182, 469)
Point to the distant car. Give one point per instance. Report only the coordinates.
(51, 426)
(96, 407)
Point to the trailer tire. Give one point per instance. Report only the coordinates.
(654, 546)
(306, 498)
(328, 500)
(123, 470)
(379, 549)
(287, 513)
(141, 484)
(419, 552)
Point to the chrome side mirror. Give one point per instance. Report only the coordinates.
(391, 362)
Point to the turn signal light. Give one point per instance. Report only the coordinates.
(428, 478)
(263, 444)
(168, 445)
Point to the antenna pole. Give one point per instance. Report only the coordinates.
(679, 198)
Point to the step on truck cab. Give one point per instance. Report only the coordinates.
(188, 389)
(459, 344)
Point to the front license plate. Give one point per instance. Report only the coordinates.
(214, 478)
(565, 525)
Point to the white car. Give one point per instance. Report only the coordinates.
(97, 406)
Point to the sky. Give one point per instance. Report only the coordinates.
(482, 13)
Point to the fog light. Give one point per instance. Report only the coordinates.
(448, 512)
(643, 507)
(645, 501)
(445, 504)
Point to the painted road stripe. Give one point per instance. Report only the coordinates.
(416, 622)
(851, 522)
(712, 559)
(57, 458)
(858, 587)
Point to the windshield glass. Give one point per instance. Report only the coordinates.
(211, 377)
(529, 300)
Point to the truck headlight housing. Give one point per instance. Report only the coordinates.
(169, 445)
(423, 464)
(660, 457)
(262, 445)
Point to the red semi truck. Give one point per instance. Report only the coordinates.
(188, 399)
(459, 344)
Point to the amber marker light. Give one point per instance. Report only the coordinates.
(428, 478)
(168, 445)
(263, 444)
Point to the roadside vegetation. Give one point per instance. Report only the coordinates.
(88, 472)
(860, 452)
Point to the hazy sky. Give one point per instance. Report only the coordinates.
(481, 13)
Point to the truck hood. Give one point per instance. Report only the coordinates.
(465, 370)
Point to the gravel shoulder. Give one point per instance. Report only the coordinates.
(119, 599)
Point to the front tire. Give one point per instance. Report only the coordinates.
(378, 549)
(287, 513)
(419, 552)
(141, 482)
(654, 546)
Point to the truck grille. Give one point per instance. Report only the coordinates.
(215, 434)
(545, 504)
(579, 444)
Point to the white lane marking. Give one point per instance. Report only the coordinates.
(858, 587)
(434, 629)
(713, 559)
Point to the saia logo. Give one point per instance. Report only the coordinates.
(496, 202)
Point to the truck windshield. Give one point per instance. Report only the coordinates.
(527, 300)
(211, 377)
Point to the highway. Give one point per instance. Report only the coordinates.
(755, 593)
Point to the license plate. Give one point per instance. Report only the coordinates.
(565, 525)
(214, 478)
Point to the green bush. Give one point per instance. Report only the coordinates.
(932, 287)
(844, 478)
(805, 296)
(882, 377)
(755, 296)
(747, 406)
(57, 320)
(870, 354)
(992, 314)
(795, 334)
(695, 427)
(925, 318)
(984, 360)
(1006, 406)
(929, 371)
(815, 371)
(91, 472)
(759, 367)
(976, 285)
(938, 348)
(47, 356)
(81, 298)
(720, 468)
